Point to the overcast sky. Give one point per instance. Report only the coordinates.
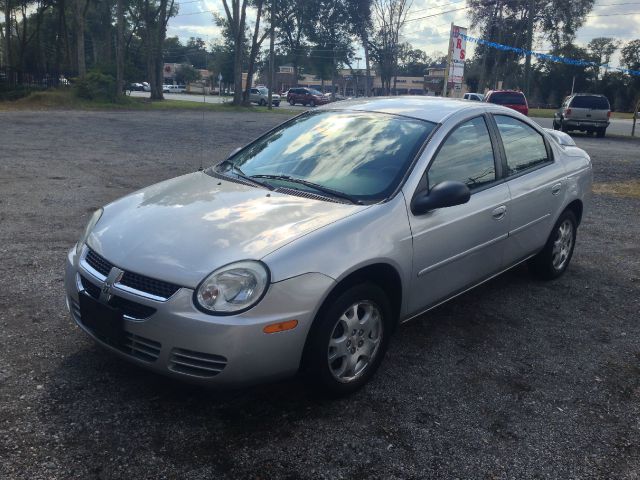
(430, 34)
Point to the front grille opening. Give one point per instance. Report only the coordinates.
(98, 263)
(129, 308)
(197, 364)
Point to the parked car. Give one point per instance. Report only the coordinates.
(146, 87)
(260, 95)
(476, 97)
(306, 96)
(508, 98)
(585, 112)
(305, 249)
(174, 88)
(136, 87)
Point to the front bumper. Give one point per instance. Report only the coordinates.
(180, 341)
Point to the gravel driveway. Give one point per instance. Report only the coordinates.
(517, 379)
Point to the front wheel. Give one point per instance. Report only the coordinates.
(262, 102)
(554, 258)
(349, 339)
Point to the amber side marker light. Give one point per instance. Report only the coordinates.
(280, 326)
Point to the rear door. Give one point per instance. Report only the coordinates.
(457, 247)
(536, 183)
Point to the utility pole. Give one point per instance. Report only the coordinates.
(447, 66)
(527, 62)
(272, 60)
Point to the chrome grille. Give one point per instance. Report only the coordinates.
(197, 364)
(141, 283)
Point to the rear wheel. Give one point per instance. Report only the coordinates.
(292, 102)
(602, 132)
(349, 340)
(555, 125)
(312, 103)
(563, 127)
(554, 258)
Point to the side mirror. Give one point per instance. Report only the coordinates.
(444, 194)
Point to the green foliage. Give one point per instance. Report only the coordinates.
(96, 86)
(187, 74)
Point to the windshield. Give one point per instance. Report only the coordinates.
(264, 90)
(363, 155)
(507, 98)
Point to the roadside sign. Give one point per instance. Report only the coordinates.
(219, 77)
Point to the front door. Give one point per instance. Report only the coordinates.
(457, 247)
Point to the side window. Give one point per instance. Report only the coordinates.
(523, 146)
(466, 156)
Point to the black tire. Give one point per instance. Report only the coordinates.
(292, 102)
(329, 323)
(563, 127)
(555, 125)
(602, 132)
(312, 104)
(590, 133)
(262, 102)
(545, 265)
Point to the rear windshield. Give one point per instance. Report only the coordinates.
(588, 101)
(507, 98)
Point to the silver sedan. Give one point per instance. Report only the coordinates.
(306, 248)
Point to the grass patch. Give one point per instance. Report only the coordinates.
(627, 189)
(64, 99)
(548, 113)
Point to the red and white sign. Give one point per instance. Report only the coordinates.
(459, 54)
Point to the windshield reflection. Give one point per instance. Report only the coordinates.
(362, 154)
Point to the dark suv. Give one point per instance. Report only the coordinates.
(509, 98)
(306, 96)
(583, 111)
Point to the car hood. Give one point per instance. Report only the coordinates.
(182, 229)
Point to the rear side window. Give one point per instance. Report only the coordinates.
(523, 146)
(588, 101)
(466, 156)
(507, 98)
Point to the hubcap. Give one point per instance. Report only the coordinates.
(354, 341)
(562, 245)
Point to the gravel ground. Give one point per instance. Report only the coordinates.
(516, 379)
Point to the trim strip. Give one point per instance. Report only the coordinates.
(461, 255)
(527, 225)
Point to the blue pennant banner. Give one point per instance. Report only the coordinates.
(545, 56)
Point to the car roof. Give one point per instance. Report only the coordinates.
(432, 109)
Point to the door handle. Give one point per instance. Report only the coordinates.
(555, 190)
(499, 212)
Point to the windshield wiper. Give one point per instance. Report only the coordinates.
(240, 174)
(315, 186)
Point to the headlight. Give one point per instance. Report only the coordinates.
(233, 288)
(87, 230)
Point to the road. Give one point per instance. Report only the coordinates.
(617, 127)
(516, 379)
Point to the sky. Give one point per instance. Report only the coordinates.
(619, 19)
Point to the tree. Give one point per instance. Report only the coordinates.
(236, 21)
(256, 41)
(389, 16)
(601, 49)
(187, 74)
(515, 23)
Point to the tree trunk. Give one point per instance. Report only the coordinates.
(365, 44)
(255, 46)
(7, 37)
(529, 45)
(80, 17)
(120, 48)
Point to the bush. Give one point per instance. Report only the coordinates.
(96, 86)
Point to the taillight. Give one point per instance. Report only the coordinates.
(609, 114)
(568, 112)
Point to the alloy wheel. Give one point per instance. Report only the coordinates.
(355, 341)
(562, 245)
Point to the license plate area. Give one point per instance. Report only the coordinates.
(107, 322)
